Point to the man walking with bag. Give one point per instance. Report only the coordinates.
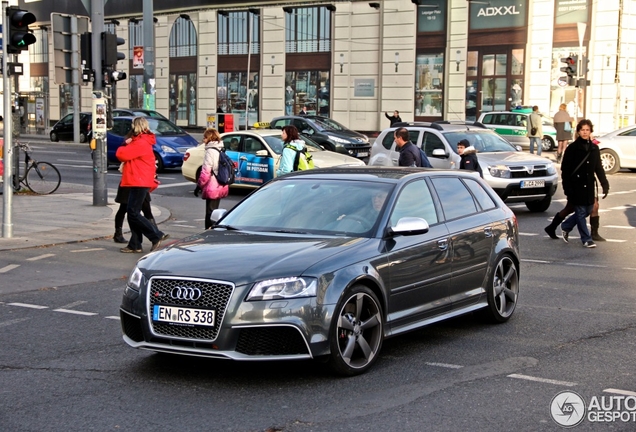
(535, 131)
(581, 162)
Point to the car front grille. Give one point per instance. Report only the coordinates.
(528, 171)
(214, 295)
(281, 340)
(182, 150)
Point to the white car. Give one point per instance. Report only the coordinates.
(256, 154)
(514, 175)
(618, 149)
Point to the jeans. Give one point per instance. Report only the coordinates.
(534, 140)
(139, 225)
(581, 212)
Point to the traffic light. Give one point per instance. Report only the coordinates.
(110, 55)
(117, 75)
(19, 36)
(571, 68)
(585, 65)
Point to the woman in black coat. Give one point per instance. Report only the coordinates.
(580, 168)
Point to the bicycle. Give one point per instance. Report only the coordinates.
(42, 178)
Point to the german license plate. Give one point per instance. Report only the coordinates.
(526, 184)
(363, 154)
(183, 316)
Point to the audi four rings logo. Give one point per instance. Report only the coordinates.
(185, 293)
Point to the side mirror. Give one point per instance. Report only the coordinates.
(439, 153)
(409, 226)
(217, 215)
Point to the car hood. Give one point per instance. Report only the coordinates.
(244, 257)
(177, 141)
(346, 134)
(510, 158)
(326, 159)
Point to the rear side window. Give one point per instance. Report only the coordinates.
(415, 200)
(456, 200)
(483, 198)
(432, 142)
(487, 119)
(414, 136)
(231, 143)
(278, 124)
(387, 141)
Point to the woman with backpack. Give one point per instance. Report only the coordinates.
(211, 190)
(292, 145)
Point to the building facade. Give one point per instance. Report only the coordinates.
(353, 60)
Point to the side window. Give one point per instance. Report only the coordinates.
(415, 201)
(303, 126)
(456, 200)
(432, 142)
(483, 198)
(631, 132)
(252, 145)
(278, 124)
(522, 121)
(231, 143)
(120, 127)
(414, 136)
(67, 118)
(387, 141)
(487, 119)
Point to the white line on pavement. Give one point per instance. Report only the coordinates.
(616, 241)
(620, 207)
(39, 257)
(528, 234)
(543, 380)
(86, 250)
(9, 268)
(112, 317)
(620, 392)
(27, 305)
(445, 365)
(13, 321)
(72, 305)
(628, 268)
(74, 312)
(77, 161)
(183, 226)
(175, 185)
(618, 226)
(536, 261)
(585, 265)
(73, 166)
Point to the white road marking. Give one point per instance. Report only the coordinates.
(13, 321)
(184, 226)
(86, 250)
(73, 166)
(167, 178)
(112, 317)
(74, 312)
(585, 265)
(616, 241)
(528, 234)
(536, 261)
(75, 160)
(27, 305)
(445, 365)
(620, 392)
(620, 207)
(618, 226)
(543, 380)
(9, 268)
(72, 305)
(175, 185)
(39, 257)
(628, 268)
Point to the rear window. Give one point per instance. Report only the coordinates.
(483, 140)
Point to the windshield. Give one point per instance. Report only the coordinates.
(302, 205)
(276, 143)
(328, 124)
(164, 127)
(482, 140)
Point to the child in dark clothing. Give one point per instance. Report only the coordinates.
(469, 157)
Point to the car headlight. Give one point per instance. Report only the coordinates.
(168, 149)
(551, 169)
(338, 139)
(135, 279)
(501, 171)
(283, 288)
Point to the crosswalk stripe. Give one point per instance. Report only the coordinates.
(39, 257)
(74, 312)
(27, 305)
(9, 268)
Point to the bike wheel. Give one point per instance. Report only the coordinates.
(43, 178)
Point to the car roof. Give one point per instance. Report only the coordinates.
(262, 132)
(446, 126)
(375, 173)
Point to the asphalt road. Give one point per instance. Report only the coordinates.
(64, 366)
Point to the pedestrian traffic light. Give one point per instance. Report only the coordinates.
(19, 36)
(571, 66)
(110, 55)
(117, 75)
(585, 65)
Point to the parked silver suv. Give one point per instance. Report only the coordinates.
(515, 176)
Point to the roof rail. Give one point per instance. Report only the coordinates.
(404, 124)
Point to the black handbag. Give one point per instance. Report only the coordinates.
(533, 130)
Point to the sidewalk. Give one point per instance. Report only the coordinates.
(67, 216)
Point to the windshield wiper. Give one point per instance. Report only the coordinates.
(227, 227)
(282, 231)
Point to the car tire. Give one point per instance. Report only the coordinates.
(158, 163)
(547, 144)
(539, 206)
(502, 290)
(610, 161)
(357, 332)
(54, 136)
(82, 137)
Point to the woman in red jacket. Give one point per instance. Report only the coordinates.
(139, 176)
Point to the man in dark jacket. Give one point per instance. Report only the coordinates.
(581, 162)
(395, 118)
(468, 154)
(409, 153)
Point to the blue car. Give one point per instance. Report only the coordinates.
(172, 141)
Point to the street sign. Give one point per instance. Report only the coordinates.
(563, 81)
(63, 35)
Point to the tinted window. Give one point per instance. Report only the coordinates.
(231, 142)
(414, 136)
(483, 198)
(482, 140)
(253, 145)
(487, 119)
(120, 127)
(456, 200)
(387, 141)
(278, 124)
(631, 132)
(415, 201)
(432, 142)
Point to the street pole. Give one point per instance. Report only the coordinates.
(149, 55)
(75, 78)
(100, 166)
(580, 26)
(247, 78)
(7, 151)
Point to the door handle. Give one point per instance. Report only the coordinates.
(488, 231)
(442, 244)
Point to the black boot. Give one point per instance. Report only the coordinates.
(119, 236)
(594, 222)
(197, 191)
(551, 229)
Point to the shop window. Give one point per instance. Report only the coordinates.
(39, 51)
(234, 97)
(429, 84)
(136, 98)
(308, 29)
(135, 36)
(309, 89)
(183, 38)
(232, 33)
